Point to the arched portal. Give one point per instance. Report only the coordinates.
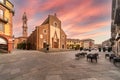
(3, 44)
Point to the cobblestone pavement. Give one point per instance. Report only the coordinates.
(35, 65)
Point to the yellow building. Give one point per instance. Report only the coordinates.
(73, 43)
(6, 36)
(76, 43)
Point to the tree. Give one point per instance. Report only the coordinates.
(21, 45)
(77, 46)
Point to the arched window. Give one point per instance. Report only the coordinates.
(3, 41)
(1, 14)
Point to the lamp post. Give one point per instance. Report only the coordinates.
(13, 39)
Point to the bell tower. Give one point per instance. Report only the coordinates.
(24, 19)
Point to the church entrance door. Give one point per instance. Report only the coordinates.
(56, 44)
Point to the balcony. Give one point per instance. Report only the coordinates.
(4, 20)
(117, 37)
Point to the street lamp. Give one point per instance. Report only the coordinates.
(13, 39)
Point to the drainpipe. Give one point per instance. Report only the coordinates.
(117, 48)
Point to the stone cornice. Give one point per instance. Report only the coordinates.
(11, 10)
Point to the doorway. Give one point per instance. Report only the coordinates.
(3, 45)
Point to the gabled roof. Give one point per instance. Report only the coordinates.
(55, 35)
(46, 21)
(63, 31)
(48, 18)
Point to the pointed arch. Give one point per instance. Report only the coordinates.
(55, 41)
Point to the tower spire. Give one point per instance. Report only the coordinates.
(24, 19)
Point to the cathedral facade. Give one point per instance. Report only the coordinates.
(48, 34)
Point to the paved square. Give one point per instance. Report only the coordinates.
(36, 65)
(53, 77)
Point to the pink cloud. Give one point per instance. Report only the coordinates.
(83, 11)
(70, 12)
(85, 29)
(52, 4)
(93, 35)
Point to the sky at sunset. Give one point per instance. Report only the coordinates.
(80, 19)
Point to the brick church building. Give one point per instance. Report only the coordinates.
(49, 33)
